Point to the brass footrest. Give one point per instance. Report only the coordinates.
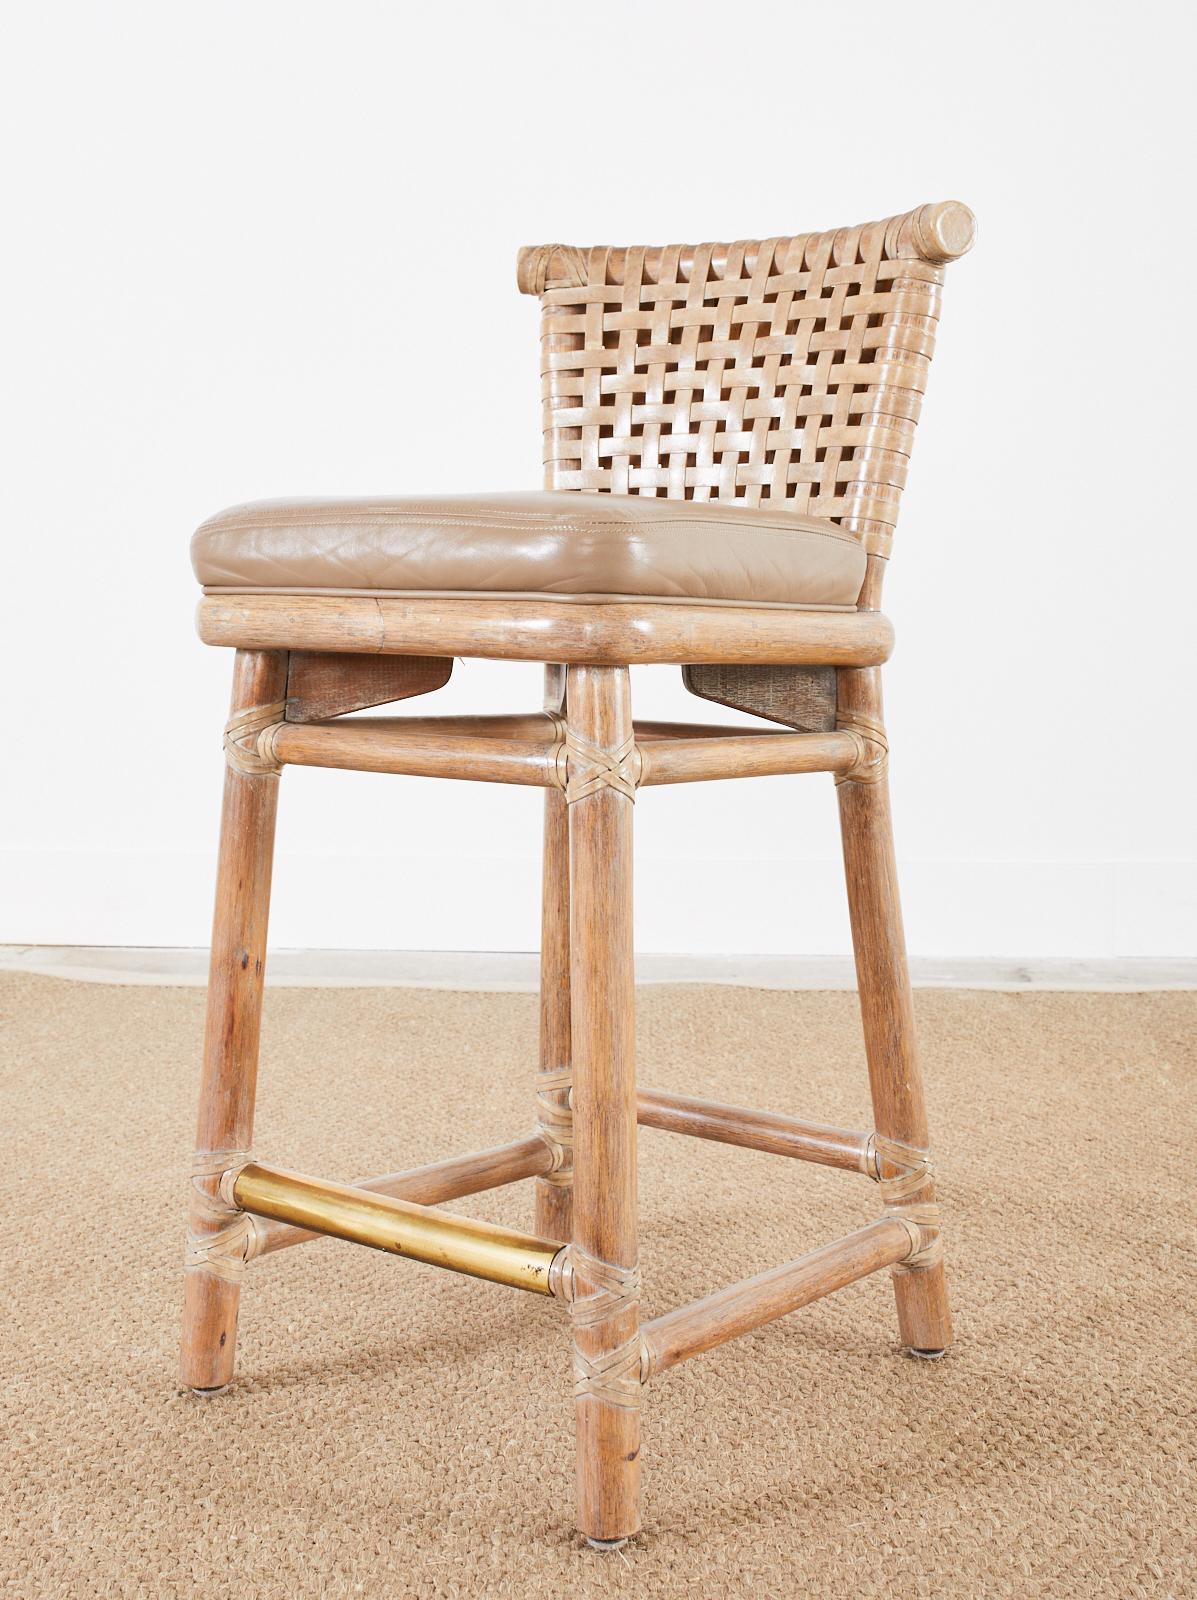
(479, 1249)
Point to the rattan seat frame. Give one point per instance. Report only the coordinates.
(785, 372)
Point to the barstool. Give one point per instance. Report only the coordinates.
(727, 428)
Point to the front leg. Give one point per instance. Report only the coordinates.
(218, 1235)
(605, 1310)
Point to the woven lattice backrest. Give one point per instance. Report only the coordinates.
(780, 371)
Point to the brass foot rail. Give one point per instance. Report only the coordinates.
(479, 1249)
(430, 1185)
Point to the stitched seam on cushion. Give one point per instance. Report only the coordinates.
(421, 511)
(572, 597)
(673, 523)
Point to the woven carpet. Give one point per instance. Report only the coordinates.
(398, 1431)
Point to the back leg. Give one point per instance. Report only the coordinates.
(554, 1193)
(887, 1013)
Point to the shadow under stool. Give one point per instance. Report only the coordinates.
(726, 434)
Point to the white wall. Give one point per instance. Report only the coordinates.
(242, 241)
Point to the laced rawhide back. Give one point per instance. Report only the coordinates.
(786, 372)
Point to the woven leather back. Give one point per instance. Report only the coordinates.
(779, 371)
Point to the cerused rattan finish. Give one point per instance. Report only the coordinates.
(766, 371)
(787, 371)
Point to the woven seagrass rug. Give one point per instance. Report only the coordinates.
(398, 1431)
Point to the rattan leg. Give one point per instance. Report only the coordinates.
(217, 1235)
(554, 1192)
(887, 1011)
(604, 1253)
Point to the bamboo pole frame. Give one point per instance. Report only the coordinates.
(738, 1309)
(528, 750)
(886, 1002)
(605, 1306)
(533, 1157)
(439, 1238)
(553, 1205)
(650, 730)
(389, 744)
(212, 1281)
(769, 1131)
(630, 633)
(745, 755)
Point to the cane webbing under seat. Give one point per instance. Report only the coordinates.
(561, 545)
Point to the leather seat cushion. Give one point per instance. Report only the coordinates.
(564, 545)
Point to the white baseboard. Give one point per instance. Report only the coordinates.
(517, 971)
(718, 907)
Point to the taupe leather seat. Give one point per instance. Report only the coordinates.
(562, 544)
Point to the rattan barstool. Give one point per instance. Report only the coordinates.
(727, 429)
